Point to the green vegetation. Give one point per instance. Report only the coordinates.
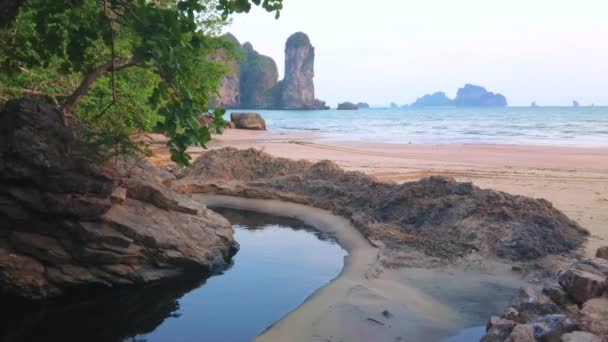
(122, 66)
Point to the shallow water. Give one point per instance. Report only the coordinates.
(562, 126)
(281, 262)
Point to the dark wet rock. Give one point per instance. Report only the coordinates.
(585, 279)
(475, 96)
(557, 294)
(66, 222)
(550, 328)
(438, 216)
(347, 106)
(531, 304)
(438, 99)
(253, 121)
(498, 329)
(602, 252)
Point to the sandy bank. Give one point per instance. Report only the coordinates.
(367, 302)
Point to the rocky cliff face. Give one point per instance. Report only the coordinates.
(258, 76)
(298, 88)
(229, 93)
(476, 96)
(66, 222)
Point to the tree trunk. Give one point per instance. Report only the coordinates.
(84, 86)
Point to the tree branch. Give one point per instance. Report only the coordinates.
(89, 79)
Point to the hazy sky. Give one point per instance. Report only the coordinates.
(378, 51)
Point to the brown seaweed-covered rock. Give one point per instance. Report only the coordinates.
(602, 252)
(66, 223)
(438, 216)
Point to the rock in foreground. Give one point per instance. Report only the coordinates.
(438, 216)
(556, 316)
(66, 223)
(252, 121)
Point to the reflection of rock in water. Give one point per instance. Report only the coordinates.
(255, 221)
(97, 315)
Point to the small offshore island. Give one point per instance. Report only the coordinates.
(133, 206)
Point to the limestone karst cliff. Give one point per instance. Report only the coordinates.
(252, 78)
(468, 96)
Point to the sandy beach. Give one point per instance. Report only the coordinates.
(574, 179)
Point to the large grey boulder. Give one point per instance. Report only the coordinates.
(585, 279)
(253, 121)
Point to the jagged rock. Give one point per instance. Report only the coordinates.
(438, 216)
(474, 96)
(585, 279)
(498, 329)
(252, 121)
(438, 99)
(580, 336)
(65, 222)
(347, 106)
(594, 316)
(602, 252)
(550, 328)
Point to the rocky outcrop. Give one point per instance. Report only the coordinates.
(574, 310)
(229, 92)
(475, 96)
(438, 99)
(437, 216)
(298, 89)
(259, 75)
(66, 222)
(253, 121)
(347, 106)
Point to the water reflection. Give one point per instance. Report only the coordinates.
(280, 263)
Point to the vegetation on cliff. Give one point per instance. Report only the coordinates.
(121, 66)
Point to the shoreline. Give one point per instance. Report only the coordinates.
(367, 301)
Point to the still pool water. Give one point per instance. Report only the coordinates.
(281, 262)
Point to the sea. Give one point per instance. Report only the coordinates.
(557, 126)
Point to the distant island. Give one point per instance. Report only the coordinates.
(363, 105)
(468, 96)
(347, 106)
(252, 80)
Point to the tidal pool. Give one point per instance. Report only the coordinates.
(280, 263)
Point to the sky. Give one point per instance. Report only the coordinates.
(382, 51)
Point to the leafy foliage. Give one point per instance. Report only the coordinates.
(123, 66)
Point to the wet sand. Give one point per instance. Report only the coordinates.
(368, 302)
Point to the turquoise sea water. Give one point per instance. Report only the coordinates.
(563, 126)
